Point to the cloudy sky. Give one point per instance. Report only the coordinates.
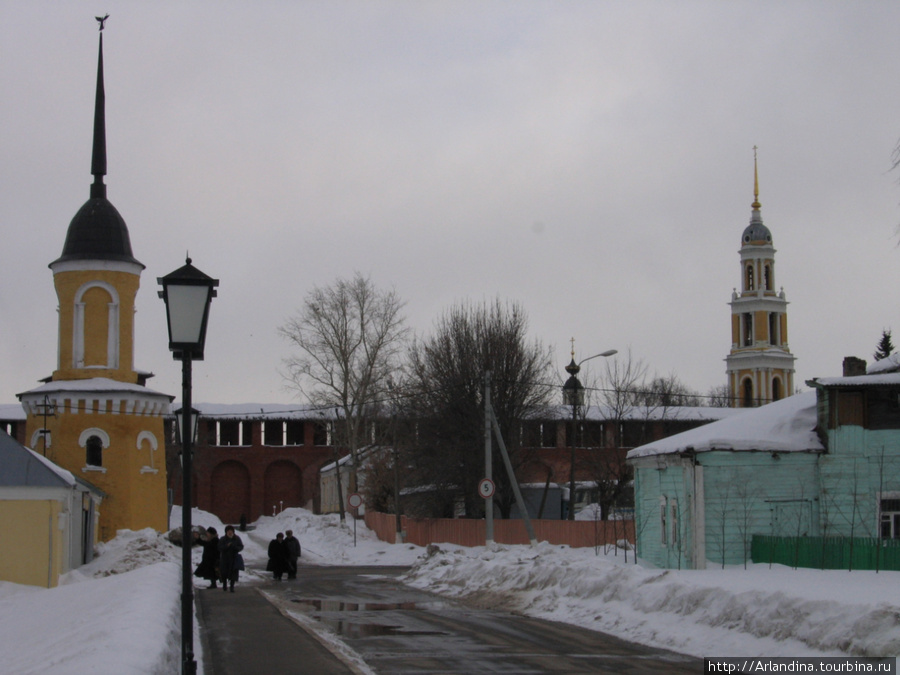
(591, 160)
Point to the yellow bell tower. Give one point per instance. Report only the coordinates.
(760, 366)
(94, 415)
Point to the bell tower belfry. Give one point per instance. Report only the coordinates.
(105, 426)
(760, 366)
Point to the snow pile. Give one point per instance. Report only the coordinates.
(325, 542)
(731, 612)
(118, 614)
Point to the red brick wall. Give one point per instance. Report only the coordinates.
(466, 532)
(236, 480)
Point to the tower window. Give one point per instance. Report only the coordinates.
(773, 328)
(750, 280)
(748, 330)
(768, 277)
(776, 389)
(94, 451)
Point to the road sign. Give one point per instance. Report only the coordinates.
(355, 500)
(486, 488)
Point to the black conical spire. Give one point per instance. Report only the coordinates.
(98, 231)
(98, 160)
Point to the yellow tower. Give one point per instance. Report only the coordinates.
(760, 366)
(94, 415)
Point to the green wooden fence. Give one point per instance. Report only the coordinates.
(827, 553)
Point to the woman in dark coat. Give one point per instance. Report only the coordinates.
(209, 563)
(230, 560)
(278, 557)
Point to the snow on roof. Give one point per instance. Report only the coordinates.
(255, 411)
(94, 384)
(878, 378)
(21, 466)
(885, 365)
(644, 413)
(784, 426)
(12, 411)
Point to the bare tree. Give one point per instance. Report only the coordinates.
(350, 336)
(619, 394)
(666, 391)
(446, 399)
(718, 396)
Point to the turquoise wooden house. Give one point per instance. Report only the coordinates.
(821, 463)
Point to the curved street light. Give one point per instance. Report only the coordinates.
(573, 394)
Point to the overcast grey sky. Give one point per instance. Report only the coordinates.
(591, 160)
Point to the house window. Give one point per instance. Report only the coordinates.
(320, 433)
(673, 522)
(548, 435)
(229, 432)
(295, 432)
(94, 451)
(663, 529)
(890, 518)
(273, 432)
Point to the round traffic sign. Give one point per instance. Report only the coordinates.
(355, 500)
(486, 488)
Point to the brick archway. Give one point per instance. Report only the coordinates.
(283, 486)
(231, 492)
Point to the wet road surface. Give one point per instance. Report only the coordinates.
(400, 630)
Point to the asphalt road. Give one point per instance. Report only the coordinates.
(399, 630)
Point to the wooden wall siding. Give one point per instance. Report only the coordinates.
(467, 532)
(720, 504)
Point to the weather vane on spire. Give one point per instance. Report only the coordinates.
(102, 20)
(755, 204)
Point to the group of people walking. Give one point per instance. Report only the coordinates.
(222, 559)
(284, 550)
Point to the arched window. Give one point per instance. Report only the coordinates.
(768, 277)
(96, 336)
(94, 451)
(773, 328)
(748, 329)
(747, 398)
(776, 389)
(750, 280)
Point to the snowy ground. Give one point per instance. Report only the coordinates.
(121, 614)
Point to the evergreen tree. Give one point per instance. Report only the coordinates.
(885, 347)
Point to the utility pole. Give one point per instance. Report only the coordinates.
(489, 501)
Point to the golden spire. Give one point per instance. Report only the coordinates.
(755, 205)
(573, 348)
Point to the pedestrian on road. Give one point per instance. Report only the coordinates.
(293, 549)
(278, 557)
(209, 563)
(230, 560)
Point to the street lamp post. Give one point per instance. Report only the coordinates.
(187, 293)
(573, 394)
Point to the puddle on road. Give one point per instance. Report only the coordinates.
(323, 611)
(341, 606)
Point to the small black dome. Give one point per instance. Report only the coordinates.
(98, 232)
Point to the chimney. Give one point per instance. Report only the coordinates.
(854, 366)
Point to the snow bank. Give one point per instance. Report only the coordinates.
(732, 612)
(119, 614)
